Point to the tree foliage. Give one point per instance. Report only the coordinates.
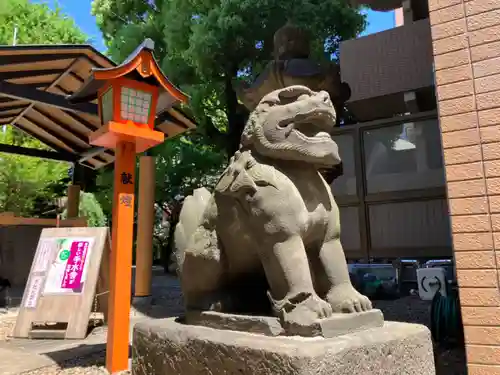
(28, 186)
(25, 180)
(178, 166)
(183, 164)
(37, 23)
(90, 208)
(204, 45)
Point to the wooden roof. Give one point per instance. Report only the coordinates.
(35, 83)
(140, 66)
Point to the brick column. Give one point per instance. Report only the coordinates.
(466, 44)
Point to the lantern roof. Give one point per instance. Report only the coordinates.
(139, 66)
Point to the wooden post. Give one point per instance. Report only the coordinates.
(128, 102)
(121, 259)
(73, 203)
(145, 217)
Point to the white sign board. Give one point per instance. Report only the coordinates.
(33, 292)
(70, 266)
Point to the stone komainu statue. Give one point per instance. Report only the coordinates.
(267, 241)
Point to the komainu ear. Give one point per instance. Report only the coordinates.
(243, 184)
(236, 180)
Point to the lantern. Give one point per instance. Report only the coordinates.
(129, 98)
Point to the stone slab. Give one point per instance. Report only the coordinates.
(24, 355)
(336, 325)
(169, 347)
(14, 362)
(142, 301)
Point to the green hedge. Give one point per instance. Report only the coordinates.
(91, 209)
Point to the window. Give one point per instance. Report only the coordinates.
(135, 105)
(107, 106)
(404, 157)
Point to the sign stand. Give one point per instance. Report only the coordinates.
(67, 273)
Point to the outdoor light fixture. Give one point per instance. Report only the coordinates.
(129, 97)
(128, 102)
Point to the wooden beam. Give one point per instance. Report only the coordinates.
(57, 135)
(16, 91)
(82, 121)
(71, 135)
(37, 136)
(10, 220)
(53, 84)
(7, 116)
(77, 77)
(51, 155)
(12, 59)
(29, 73)
(91, 153)
(17, 106)
(167, 116)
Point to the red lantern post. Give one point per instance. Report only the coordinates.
(128, 97)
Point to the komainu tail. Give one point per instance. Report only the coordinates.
(189, 220)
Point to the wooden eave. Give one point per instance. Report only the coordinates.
(35, 84)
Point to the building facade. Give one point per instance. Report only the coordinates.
(448, 52)
(392, 195)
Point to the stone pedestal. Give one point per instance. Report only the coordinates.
(336, 325)
(168, 347)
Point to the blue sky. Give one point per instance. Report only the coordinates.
(79, 10)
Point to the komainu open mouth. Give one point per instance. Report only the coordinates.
(311, 130)
(315, 126)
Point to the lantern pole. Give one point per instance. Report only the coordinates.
(128, 99)
(117, 346)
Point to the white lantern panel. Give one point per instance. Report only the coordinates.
(107, 106)
(135, 105)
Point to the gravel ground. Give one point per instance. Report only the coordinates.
(167, 302)
(91, 365)
(6, 326)
(449, 361)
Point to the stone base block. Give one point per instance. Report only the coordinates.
(142, 301)
(336, 325)
(168, 347)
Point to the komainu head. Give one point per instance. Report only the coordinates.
(293, 123)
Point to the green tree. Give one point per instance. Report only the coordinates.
(29, 185)
(204, 45)
(90, 208)
(37, 23)
(183, 164)
(25, 180)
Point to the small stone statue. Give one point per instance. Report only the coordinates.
(267, 241)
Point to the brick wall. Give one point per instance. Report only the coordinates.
(466, 45)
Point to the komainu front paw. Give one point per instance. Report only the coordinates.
(345, 299)
(303, 308)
